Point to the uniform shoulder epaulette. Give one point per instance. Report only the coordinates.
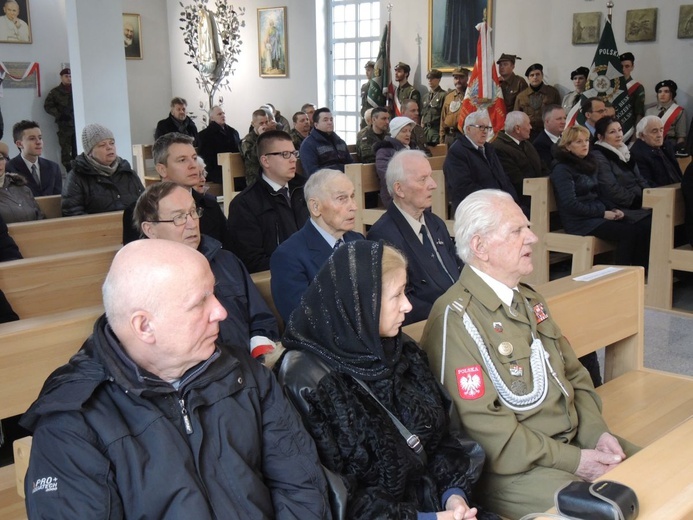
(459, 305)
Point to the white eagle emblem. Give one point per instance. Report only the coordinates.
(471, 384)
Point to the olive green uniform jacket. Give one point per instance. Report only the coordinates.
(408, 91)
(532, 103)
(365, 141)
(431, 109)
(511, 88)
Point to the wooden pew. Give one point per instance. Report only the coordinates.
(232, 168)
(582, 249)
(668, 211)
(51, 205)
(144, 163)
(684, 162)
(56, 283)
(67, 234)
(640, 404)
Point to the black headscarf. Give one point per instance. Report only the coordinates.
(339, 315)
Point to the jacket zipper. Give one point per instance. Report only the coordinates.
(186, 417)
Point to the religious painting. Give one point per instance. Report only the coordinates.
(686, 21)
(452, 34)
(641, 25)
(132, 36)
(272, 50)
(587, 27)
(15, 25)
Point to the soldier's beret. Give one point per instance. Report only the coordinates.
(533, 67)
(667, 83)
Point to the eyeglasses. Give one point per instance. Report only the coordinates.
(483, 128)
(285, 154)
(180, 220)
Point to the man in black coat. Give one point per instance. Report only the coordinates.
(410, 226)
(472, 164)
(655, 155)
(177, 121)
(218, 137)
(554, 124)
(42, 176)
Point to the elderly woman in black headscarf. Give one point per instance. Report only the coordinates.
(363, 388)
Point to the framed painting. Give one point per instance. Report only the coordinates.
(586, 27)
(132, 36)
(271, 40)
(15, 24)
(452, 34)
(641, 25)
(686, 21)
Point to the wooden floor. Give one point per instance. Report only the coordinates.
(11, 505)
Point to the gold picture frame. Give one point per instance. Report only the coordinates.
(132, 36)
(273, 56)
(15, 22)
(452, 34)
(587, 28)
(641, 25)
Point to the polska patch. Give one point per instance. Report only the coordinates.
(470, 382)
(539, 312)
(498, 326)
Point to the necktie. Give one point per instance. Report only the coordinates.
(338, 244)
(35, 175)
(518, 304)
(434, 254)
(426, 242)
(661, 113)
(285, 192)
(483, 152)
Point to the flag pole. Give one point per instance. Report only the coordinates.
(609, 6)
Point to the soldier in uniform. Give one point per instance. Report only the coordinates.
(405, 90)
(249, 146)
(376, 132)
(534, 98)
(518, 387)
(451, 107)
(636, 92)
(370, 66)
(511, 83)
(673, 116)
(432, 106)
(59, 104)
(579, 78)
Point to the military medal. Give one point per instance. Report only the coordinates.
(518, 387)
(498, 326)
(516, 370)
(505, 348)
(455, 106)
(539, 312)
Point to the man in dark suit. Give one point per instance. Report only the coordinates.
(218, 137)
(330, 198)
(554, 124)
(42, 176)
(655, 155)
(472, 164)
(422, 236)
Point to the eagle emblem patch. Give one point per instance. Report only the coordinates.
(470, 382)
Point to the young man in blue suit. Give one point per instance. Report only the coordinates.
(43, 176)
(422, 236)
(330, 198)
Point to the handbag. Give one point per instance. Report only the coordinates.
(604, 500)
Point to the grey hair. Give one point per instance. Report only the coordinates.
(514, 119)
(397, 170)
(212, 110)
(315, 186)
(474, 117)
(477, 215)
(642, 124)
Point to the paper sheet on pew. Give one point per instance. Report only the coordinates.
(597, 274)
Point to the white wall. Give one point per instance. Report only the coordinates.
(548, 40)
(248, 89)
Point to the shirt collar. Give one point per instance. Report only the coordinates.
(324, 234)
(474, 145)
(517, 142)
(415, 224)
(273, 185)
(504, 293)
(29, 164)
(554, 138)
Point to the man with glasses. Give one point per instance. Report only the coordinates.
(472, 164)
(176, 161)
(593, 109)
(269, 211)
(168, 211)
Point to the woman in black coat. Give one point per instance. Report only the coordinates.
(348, 367)
(583, 212)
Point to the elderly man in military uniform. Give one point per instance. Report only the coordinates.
(579, 79)
(370, 67)
(405, 90)
(431, 107)
(451, 107)
(518, 387)
(376, 132)
(636, 92)
(534, 98)
(59, 104)
(672, 115)
(511, 83)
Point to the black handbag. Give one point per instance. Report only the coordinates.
(605, 500)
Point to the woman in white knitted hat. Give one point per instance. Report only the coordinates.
(399, 139)
(100, 181)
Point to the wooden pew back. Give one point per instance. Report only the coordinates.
(232, 167)
(51, 205)
(144, 163)
(56, 283)
(67, 234)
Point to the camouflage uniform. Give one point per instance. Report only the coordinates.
(365, 141)
(430, 114)
(296, 138)
(59, 104)
(418, 138)
(250, 158)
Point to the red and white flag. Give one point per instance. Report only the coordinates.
(483, 89)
